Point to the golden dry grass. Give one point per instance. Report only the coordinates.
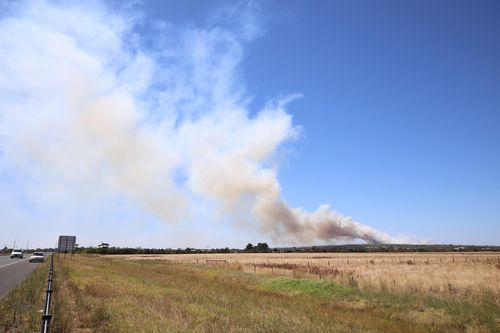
(467, 275)
(108, 294)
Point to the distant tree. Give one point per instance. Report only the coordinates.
(262, 247)
(249, 247)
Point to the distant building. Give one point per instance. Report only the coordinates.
(103, 246)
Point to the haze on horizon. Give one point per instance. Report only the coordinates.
(212, 124)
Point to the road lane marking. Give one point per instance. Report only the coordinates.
(12, 263)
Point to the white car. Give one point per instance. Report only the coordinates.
(16, 254)
(37, 257)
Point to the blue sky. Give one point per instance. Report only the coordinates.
(405, 132)
(399, 124)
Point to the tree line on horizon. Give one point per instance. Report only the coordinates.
(264, 248)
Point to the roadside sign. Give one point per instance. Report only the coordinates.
(66, 244)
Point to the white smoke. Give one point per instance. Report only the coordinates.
(89, 105)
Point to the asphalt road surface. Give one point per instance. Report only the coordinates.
(13, 271)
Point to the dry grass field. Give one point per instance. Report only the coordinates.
(113, 294)
(469, 275)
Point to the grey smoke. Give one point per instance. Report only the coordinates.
(85, 105)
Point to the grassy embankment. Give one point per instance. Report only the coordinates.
(20, 309)
(115, 295)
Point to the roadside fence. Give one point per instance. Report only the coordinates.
(46, 317)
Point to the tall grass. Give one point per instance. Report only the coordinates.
(99, 294)
(459, 275)
(20, 310)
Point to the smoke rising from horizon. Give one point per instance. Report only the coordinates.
(90, 106)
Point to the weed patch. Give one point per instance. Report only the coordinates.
(312, 287)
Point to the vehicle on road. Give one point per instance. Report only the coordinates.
(17, 254)
(37, 257)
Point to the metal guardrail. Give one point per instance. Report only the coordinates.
(46, 317)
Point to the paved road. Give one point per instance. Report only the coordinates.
(12, 272)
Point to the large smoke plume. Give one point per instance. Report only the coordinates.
(90, 105)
